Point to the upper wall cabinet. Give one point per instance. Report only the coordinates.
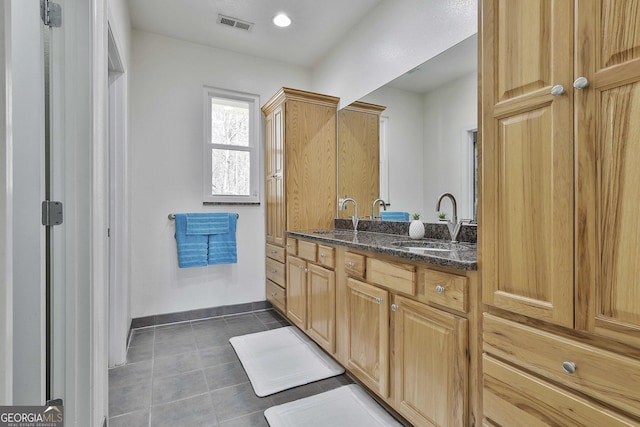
(527, 158)
(555, 202)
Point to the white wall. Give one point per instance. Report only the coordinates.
(166, 122)
(6, 205)
(449, 113)
(405, 145)
(395, 37)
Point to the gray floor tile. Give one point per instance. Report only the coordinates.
(181, 332)
(245, 327)
(211, 338)
(168, 389)
(139, 353)
(225, 375)
(268, 316)
(208, 324)
(130, 398)
(218, 355)
(176, 364)
(142, 337)
(130, 374)
(133, 419)
(195, 411)
(296, 393)
(168, 348)
(334, 382)
(237, 401)
(255, 419)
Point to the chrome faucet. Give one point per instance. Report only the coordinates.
(354, 218)
(453, 225)
(373, 207)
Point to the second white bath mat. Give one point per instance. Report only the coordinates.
(282, 358)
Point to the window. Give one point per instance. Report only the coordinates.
(231, 147)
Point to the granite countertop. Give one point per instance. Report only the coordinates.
(461, 256)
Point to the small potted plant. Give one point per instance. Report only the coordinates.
(416, 227)
(442, 216)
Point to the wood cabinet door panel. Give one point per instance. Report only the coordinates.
(297, 291)
(527, 159)
(321, 306)
(368, 332)
(607, 134)
(430, 364)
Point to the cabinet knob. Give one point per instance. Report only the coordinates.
(288, 245)
(300, 266)
(557, 90)
(440, 289)
(274, 271)
(306, 270)
(581, 83)
(378, 300)
(569, 367)
(394, 307)
(350, 264)
(322, 255)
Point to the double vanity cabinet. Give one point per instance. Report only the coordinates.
(403, 327)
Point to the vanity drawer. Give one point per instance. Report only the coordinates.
(307, 250)
(292, 246)
(276, 296)
(446, 289)
(398, 277)
(326, 256)
(276, 271)
(275, 252)
(606, 376)
(514, 398)
(354, 264)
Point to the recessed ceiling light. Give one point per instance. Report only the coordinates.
(282, 20)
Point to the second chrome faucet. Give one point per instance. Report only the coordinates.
(354, 218)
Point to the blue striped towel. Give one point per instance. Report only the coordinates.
(394, 216)
(222, 247)
(207, 223)
(192, 249)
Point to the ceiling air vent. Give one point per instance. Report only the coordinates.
(233, 22)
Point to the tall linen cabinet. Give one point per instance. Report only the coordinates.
(559, 230)
(300, 166)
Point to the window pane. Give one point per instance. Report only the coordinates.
(230, 173)
(229, 122)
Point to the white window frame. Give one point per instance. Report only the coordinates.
(253, 148)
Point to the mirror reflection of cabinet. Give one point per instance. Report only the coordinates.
(359, 156)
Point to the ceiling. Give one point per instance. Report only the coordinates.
(317, 25)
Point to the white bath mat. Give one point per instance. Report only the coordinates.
(347, 406)
(282, 358)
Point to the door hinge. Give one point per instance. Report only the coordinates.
(51, 13)
(51, 213)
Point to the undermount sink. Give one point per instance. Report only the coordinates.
(426, 246)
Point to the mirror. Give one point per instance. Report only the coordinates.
(427, 137)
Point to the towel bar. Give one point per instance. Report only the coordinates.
(173, 216)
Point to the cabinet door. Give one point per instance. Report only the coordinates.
(608, 138)
(527, 158)
(321, 306)
(368, 335)
(297, 291)
(274, 187)
(430, 364)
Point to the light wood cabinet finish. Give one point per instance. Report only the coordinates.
(604, 375)
(368, 335)
(355, 264)
(297, 291)
(359, 154)
(445, 289)
(394, 276)
(430, 364)
(608, 169)
(321, 307)
(326, 256)
(527, 158)
(307, 250)
(292, 246)
(274, 184)
(276, 296)
(276, 272)
(513, 398)
(275, 252)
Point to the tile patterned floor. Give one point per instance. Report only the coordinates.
(188, 375)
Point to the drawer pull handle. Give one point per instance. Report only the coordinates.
(306, 270)
(440, 289)
(378, 300)
(569, 367)
(274, 271)
(288, 245)
(350, 264)
(394, 307)
(322, 255)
